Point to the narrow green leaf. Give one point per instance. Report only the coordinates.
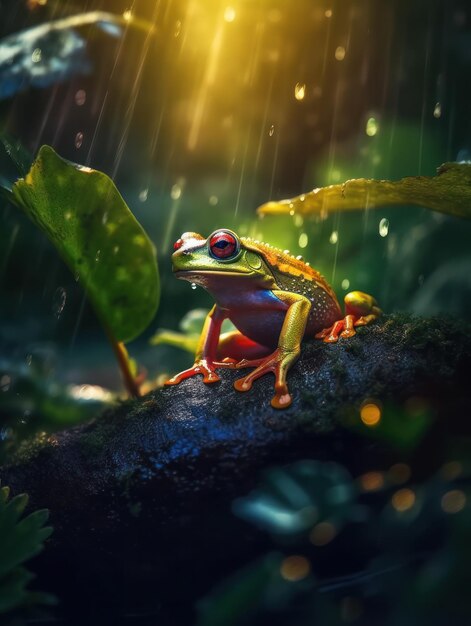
(16, 506)
(448, 192)
(13, 589)
(85, 217)
(20, 539)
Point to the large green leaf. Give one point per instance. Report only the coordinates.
(85, 217)
(448, 192)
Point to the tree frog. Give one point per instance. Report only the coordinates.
(273, 299)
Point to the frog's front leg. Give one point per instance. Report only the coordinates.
(287, 352)
(205, 358)
(360, 309)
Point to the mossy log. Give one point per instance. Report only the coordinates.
(140, 498)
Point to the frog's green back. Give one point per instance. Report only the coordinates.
(290, 273)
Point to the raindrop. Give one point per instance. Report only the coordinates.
(298, 221)
(36, 56)
(97, 256)
(213, 200)
(58, 301)
(303, 240)
(328, 13)
(143, 195)
(437, 111)
(334, 237)
(384, 227)
(345, 283)
(127, 15)
(29, 359)
(271, 131)
(176, 192)
(299, 91)
(371, 127)
(340, 53)
(178, 28)
(80, 97)
(78, 140)
(193, 285)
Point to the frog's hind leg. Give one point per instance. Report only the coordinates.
(360, 309)
(236, 347)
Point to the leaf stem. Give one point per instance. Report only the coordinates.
(122, 356)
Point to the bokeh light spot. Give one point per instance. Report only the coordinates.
(370, 414)
(294, 568)
(451, 470)
(399, 473)
(453, 501)
(403, 500)
(372, 481)
(229, 14)
(322, 533)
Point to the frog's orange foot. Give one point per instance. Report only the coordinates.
(278, 364)
(344, 328)
(203, 367)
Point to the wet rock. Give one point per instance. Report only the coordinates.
(140, 498)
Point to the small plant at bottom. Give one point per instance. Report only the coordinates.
(21, 538)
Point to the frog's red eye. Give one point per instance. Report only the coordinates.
(178, 244)
(223, 245)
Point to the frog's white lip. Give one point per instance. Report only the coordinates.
(185, 273)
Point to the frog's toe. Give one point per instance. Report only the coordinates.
(323, 333)
(348, 332)
(242, 384)
(172, 381)
(331, 339)
(210, 378)
(248, 363)
(282, 398)
(366, 319)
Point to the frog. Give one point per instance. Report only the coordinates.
(273, 299)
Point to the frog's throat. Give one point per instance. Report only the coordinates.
(193, 274)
